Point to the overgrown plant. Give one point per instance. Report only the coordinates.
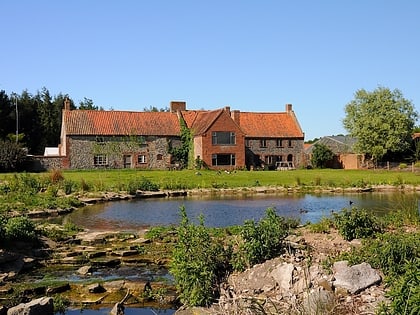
(262, 240)
(196, 262)
(356, 223)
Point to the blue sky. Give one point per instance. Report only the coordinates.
(250, 55)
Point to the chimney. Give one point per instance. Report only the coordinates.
(289, 108)
(227, 109)
(67, 104)
(235, 114)
(176, 106)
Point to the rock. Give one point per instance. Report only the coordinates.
(84, 270)
(41, 306)
(282, 274)
(318, 302)
(355, 278)
(59, 288)
(96, 288)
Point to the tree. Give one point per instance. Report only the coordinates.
(12, 155)
(87, 104)
(321, 155)
(382, 121)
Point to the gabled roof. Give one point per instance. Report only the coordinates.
(108, 123)
(337, 144)
(200, 121)
(270, 125)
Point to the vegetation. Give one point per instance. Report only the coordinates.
(321, 155)
(394, 249)
(196, 262)
(12, 156)
(382, 121)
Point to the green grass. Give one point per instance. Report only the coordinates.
(189, 179)
(114, 180)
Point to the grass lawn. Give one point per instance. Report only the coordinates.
(190, 179)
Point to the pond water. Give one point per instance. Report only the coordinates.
(221, 211)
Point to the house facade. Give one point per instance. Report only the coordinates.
(221, 139)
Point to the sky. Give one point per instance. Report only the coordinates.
(249, 55)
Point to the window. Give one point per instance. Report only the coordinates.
(263, 143)
(141, 159)
(279, 143)
(290, 143)
(159, 157)
(223, 159)
(269, 159)
(100, 160)
(223, 138)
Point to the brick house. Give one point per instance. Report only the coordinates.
(222, 139)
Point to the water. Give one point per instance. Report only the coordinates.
(128, 311)
(221, 211)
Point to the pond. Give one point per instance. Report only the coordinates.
(221, 211)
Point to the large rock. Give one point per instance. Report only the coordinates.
(356, 278)
(41, 306)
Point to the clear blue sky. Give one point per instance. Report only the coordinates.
(250, 55)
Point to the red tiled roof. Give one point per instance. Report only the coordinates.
(93, 122)
(200, 121)
(270, 125)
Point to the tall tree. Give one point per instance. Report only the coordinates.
(382, 121)
(7, 115)
(87, 104)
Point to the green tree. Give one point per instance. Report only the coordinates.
(87, 104)
(11, 155)
(321, 155)
(382, 121)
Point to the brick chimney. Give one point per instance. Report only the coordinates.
(67, 104)
(227, 109)
(176, 106)
(289, 108)
(236, 114)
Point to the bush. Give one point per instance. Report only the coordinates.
(141, 184)
(196, 263)
(355, 223)
(261, 241)
(20, 229)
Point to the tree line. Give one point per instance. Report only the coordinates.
(34, 120)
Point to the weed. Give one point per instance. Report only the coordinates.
(356, 223)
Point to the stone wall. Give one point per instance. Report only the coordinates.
(40, 163)
(82, 151)
(256, 154)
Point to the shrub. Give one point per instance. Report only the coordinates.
(196, 263)
(355, 223)
(20, 229)
(261, 241)
(141, 184)
(403, 166)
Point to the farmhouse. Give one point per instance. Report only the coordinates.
(221, 139)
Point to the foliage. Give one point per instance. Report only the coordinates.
(181, 154)
(321, 155)
(196, 261)
(141, 184)
(382, 121)
(87, 104)
(12, 155)
(60, 304)
(322, 226)
(356, 223)
(20, 229)
(398, 256)
(262, 240)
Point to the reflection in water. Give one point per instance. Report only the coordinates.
(221, 211)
